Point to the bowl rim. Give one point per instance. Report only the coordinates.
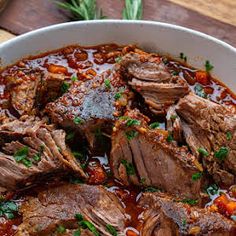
(120, 22)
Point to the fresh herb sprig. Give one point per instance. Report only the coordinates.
(82, 9)
(133, 10)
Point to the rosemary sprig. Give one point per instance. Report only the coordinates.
(82, 9)
(133, 10)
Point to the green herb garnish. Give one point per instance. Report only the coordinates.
(142, 180)
(78, 155)
(208, 66)
(131, 134)
(65, 87)
(107, 83)
(70, 136)
(228, 135)
(20, 156)
(111, 229)
(82, 9)
(189, 201)
(117, 96)
(61, 229)
(118, 59)
(151, 189)
(77, 233)
(154, 125)
(169, 137)
(37, 157)
(196, 176)
(129, 167)
(74, 78)
(200, 91)
(79, 217)
(173, 117)
(184, 222)
(131, 122)
(77, 120)
(88, 225)
(182, 56)
(222, 153)
(203, 152)
(8, 209)
(133, 10)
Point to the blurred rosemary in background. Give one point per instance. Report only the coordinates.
(87, 9)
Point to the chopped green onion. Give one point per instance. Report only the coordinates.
(182, 56)
(212, 189)
(111, 229)
(203, 152)
(208, 66)
(78, 120)
(154, 125)
(152, 189)
(77, 233)
(107, 83)
(131, 134)
(20, 156)
(129, 167)
(131, 122)
(65, 87)
(118, 59)
(88, 225)
(79, 217)
(169, 138)
(117, 96)
(196, 176)
(190, 201)
(173, 117)
(8, 209)
(229, 135)
(222, 153)
(74, 78)
(200, 91)
(61, 229)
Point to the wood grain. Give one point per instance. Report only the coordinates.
(223, 10)
(19, 17)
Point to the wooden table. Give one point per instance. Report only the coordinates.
(217, 18)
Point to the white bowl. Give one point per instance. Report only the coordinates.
(153, 36)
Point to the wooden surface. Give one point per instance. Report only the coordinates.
(217, 18)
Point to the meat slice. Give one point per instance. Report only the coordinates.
(166, 216)
(31, 149)
(212, 127)
(90, 105)
(59, 206)
(148, 75)
(143, 156)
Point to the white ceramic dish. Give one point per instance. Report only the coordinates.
(154, 36)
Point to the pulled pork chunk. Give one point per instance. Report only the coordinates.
(144, 156)
(91, 105)
(167, 216)
(149, 76)
(210, 132)
(31, 149)
(73, 207)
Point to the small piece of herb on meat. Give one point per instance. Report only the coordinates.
(118, 59)
(74, 78)
(173, 117)
(200, 91)
(182, 56)
(203, 152)
(70, 136)
(131, 122)
(111, 229)
(189, 201)
(142, 180)
(154, 125)
(208, 66)
(184, 223)
(131, 134)
(61, 229)
(77, 120)
(88, 225)
(151, 189)
(8, 209)
(78, 155)
(65, 87)
(77, 233)
(229, 135)
(169, 138)
(37, 157)
(196, 176)
(117, 96)
(20, 156)
(107, 83)
(79, 217)
(129, 167)
(222, 153)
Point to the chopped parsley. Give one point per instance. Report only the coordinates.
(208, 66)
(203, 152)
(78, 155)
(65, 87)
(117, 96)
(142, 180)
(228, 135)
(131, 122)
(37, 157)
(118, 59)
(107, 83)
(212, 189)
(74, 78)
(129, 167)
(8, 209)
(184, 222)
(151, 189)
(70, 136)
(79, 217)
(20, 156)
(222, 153)
(200, 91)
(189, 201)
(182, 56)
(154, 125)
(131, 134)
(61, 229)
(77, 233)
(169, 137)
(111, 229)
(196, 176)
(77, 120)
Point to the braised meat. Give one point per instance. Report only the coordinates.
(90, 105)
(210, 131)
(167, 216)
(149, 76)
(31, 149)
(143, 156)
(67, 206)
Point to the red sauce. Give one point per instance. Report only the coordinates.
(85, 63)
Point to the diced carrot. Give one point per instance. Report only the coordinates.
(202, 77)
(131, 233)
(231, 207)
(222, 200)
(57, 69)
